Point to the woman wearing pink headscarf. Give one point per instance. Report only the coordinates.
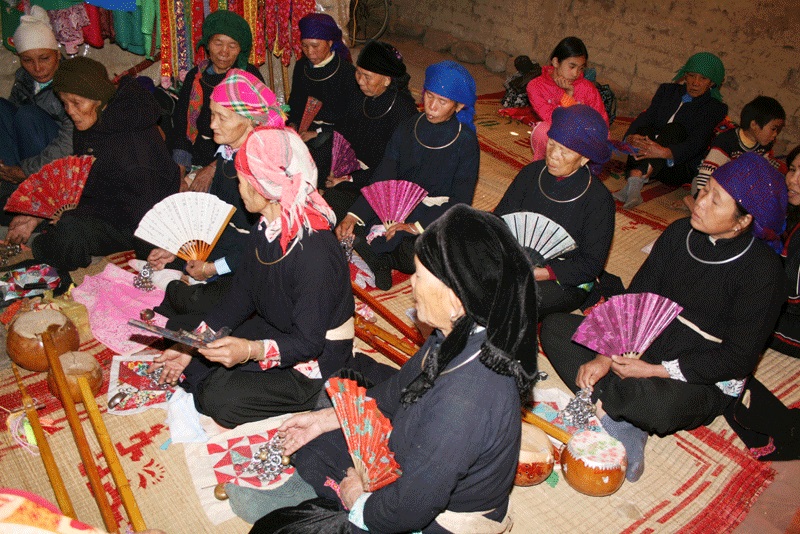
(290, 305)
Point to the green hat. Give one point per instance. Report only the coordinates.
(234, 26)
(84, 77)
(708, 65)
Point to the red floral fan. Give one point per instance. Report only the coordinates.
(56, 188)
(312, 108)
(343, 157)
(366, 431)
(626, 325)
(393, 200)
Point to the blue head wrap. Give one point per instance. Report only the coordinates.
(322, 26)
(451, 80)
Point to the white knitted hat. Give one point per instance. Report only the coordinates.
(34, 32)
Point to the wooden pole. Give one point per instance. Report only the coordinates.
(110, 454)
(408, 331)
(271, 72)
(558, 433)
(374, 336)
(77, 431)
(49, 461)
(285, 74)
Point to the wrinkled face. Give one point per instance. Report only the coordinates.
(697, 84)
(714, 211)
(223, 52)
(793, 181)
(40, 63)
(229, 127)
(253, 202)
(768, 133)
(371, 83)
(316, 50)
(438, 108)
(562, 161)
(432, 297)
(83, 111)
(570, 68)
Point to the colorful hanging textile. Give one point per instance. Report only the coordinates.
(68, 26)
(114, 5)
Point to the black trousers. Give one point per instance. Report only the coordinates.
(554, 297)
(658, 405)
(677, 175)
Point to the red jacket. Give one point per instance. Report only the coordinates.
(545, 96)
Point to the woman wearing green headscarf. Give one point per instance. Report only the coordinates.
(671, 136)
(227, 40)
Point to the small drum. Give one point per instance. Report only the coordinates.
(75, 364)
(24, 342)
(537, 456)
(594, 463)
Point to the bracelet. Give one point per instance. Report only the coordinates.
(203, 270)
(249, 351)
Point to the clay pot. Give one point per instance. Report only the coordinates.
(594, 463)
(537, 457)
(24, 341)
(77, 364)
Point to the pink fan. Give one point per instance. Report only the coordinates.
(393, 200)
(626, 325)
(343, 157)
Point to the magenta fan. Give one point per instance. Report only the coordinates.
(343, 157)
(626, 325)
(393, 200)
(366, 431)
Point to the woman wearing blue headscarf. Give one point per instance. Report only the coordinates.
(436, 149)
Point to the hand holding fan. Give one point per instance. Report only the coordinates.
(540, 234)
(186, 224)
(312, 108)
(366, 431)
(393, 200)
(56, 188)
(343, 157)
(626, 325)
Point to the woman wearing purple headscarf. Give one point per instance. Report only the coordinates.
(721, 267)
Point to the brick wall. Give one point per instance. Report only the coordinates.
(636, 45)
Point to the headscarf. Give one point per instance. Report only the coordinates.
(84, 77)
(278, 165)
(473, 253)
(451, 80)
(34, 32)
(581, 128)
(708, 65)
(234, 26)
(322, 26)
(761, 190)
(246, 95)
(384, 59)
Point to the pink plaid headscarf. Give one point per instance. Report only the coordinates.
(246, 95)
(279, 167)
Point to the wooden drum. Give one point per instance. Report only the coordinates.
(594, 463)
(24, 341)
(75, 364)
(537, 456)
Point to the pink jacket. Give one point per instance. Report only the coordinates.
(545, 96)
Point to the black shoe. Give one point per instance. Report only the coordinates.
(63, 285)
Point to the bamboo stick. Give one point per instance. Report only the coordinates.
(388, 337)
(285, 74)
(77, 431)
(49, 461)
(408, 331)
(110, 454)
(271, 73)
(397, 356)
(558, 433)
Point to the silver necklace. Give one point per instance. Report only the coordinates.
(563, 201)
(434, 147)
(364, 108)
(720, 262)
(338, 64)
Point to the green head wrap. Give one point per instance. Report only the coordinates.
(234, 26)
(708, 65)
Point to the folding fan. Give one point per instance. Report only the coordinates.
(626, 325)
(366, 431)
(539, 233)
(393, 200)
(56, 188)
(312, 108)
(186, 224)
(343, 157)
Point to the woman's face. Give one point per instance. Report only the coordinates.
(223, 52)
(40, 63)
(435, 301)
(562, 161)
(229, 127)
(371, 83)
(793, 181)
(316, 50)
(715, 212)
(438, 108)
(83, 111)
(570, 68)
(697, 84)
(253, 201)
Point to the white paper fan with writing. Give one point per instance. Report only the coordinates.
(539, 233)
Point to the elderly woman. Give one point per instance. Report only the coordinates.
(562, 188)
(227, 40)
(672, 135)
(240, 103)
(454, 406)
(132, 170)
(325, 72)
(290, 301)
(696, 368)
(437, 150)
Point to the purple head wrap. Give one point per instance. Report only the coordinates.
(761, 190)
(582, 129)
(451, 80)
(322, 26)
